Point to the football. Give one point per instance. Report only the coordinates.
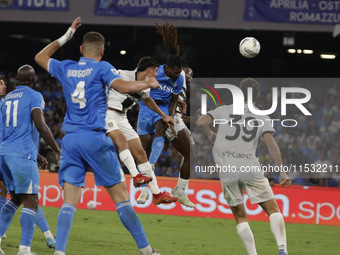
(249, 47)
(91, 204)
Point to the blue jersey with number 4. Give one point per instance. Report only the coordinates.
(19, 135)
(85, 86)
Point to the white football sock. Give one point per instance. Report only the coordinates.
(145, 168)
(277, 226)
(146, 251)
(48, 234)
(126, 157)
(247, 237)
(24, 249)
(182, 184)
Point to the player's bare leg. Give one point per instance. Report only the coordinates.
(144, 167)
(243, 228)
(277, 224)
(184, 146)
(119, 139)
(129, 218)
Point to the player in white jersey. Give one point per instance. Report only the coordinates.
(125, 137)
(234, 148)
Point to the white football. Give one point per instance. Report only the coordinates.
(91, 204)
(249, 47)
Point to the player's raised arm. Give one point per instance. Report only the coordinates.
(44, 56)
(126, 87)
(275, 152)
(44, 131)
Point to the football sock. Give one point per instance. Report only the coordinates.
(2, 202)
(27, 222)
(6, 215)
(247, 237)
(145, 168)
(41, 221)
(132, 223)
(64, 224)
(126, 157)
(182, 184)
(156, 150)
(277, 226)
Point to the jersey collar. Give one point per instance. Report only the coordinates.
(88, 60)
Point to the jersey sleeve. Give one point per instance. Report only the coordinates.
(55, 68)
(109, 73)
(179, 85)
(267, 126)
(37, 101)
(216, 113)
(145, 93)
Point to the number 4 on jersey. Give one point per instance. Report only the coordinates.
(78, 95)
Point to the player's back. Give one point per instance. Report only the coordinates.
(85, 86)
(236, 141)
(19, 134)
(167, 88)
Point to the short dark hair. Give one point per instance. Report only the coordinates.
(146, 62)
(94, 39)
(250, 83)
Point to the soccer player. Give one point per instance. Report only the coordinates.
(183, 142)
(122, 133)
(171, 80)
(40, 219)
(242, 139)
(85, 144)
(22, 121)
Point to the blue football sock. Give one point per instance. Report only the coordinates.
(156, 150)
(27, 222)
(6, 215)
(132, 223)
(41, 221)
(64, 224)
(2, 202)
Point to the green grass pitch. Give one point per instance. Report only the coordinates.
(101, 233)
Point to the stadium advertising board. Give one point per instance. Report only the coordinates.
(293, 11)
(298, 204)
(184, 9)
(46, 5)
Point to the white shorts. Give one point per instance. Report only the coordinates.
(258, 190)
(116, 120)
(179, 125)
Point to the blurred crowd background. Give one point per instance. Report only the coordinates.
(316, 139)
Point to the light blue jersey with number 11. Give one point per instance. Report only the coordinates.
(84, 92)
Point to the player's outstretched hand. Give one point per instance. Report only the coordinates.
(42, 162)
(285, 180)
(212, 137)
(168, 120)
(182, 106)
(76, 23)
(57, 156)
(153, 83)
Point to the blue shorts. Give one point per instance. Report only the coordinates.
(91, 148)
(21, 175)
(147, 118)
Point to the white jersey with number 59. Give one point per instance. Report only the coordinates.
(237, 136)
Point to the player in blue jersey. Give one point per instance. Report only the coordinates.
(40, 219)
(22, 121)
(166, 96)
(85, 144)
